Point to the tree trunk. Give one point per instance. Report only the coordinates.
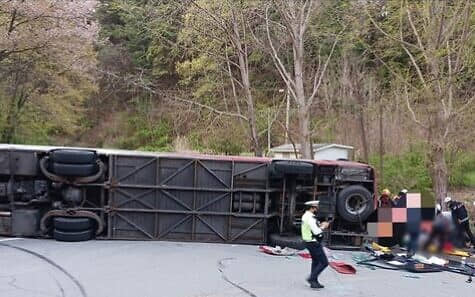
(361, 120)
(8, 131)
(295, 19)
(364, 138)
(303, 109)
(438, 170)
(381, 143)
(287, 116)
(304, 135)
(241, 51)
(251, 114)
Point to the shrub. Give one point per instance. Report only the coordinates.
(408, 170)
(462, 169)
(147, 135)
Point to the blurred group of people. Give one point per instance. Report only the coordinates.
(386, 200)
(449, 228)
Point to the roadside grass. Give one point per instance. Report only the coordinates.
(409, 170)
(469, 179)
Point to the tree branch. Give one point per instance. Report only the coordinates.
(413, 114)
(384, 32)
(411, 57)
(416, 33)
(316, 87)
(207, 107)
(217, 21)
(149, 89)
(280, 66)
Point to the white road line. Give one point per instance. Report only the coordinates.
(9, 239)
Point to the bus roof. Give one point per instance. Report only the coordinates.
(188, 155)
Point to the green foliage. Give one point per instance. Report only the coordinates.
(408, 170)
(146, 135)
(226, 145)
(201, 70)
(218, 140)
(35, 128)
(54, 97)
(462, 169)
(469, 179)
(146, 29)
(326, 25)
(201, 74)
(171, 46)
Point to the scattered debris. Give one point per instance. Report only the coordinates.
(457, 252)
(361, 257)
(382, 257)
(438, 261)
(338, 266)
(396, 263)
(336, 256)
(380, 248)
(277, 251)
(342, 267)
(305, 255)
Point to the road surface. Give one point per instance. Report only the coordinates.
(46, 268)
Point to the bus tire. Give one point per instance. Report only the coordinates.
(72, 224)
(290, 241)
(355, 204)
(69, 236)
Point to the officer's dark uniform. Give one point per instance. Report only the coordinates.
(460, 218)
(312, 235)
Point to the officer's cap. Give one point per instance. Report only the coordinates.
(312, 203)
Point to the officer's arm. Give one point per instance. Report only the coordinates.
(312, 222)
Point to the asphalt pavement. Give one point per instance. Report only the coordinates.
(46, 268)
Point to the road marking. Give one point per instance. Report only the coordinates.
(9, 239)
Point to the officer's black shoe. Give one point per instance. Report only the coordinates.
(316, 285)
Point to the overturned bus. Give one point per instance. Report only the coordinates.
(75, 194)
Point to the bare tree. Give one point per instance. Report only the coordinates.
(225, 24)
(32, 26)
(438, 39)
(237, 34)
(34, 34)
(302, 80)
(357, 85)
(17, 93)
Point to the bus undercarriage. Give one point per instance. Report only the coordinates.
(75, 194)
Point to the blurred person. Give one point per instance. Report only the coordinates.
(413, 230)
(441, 229)
(385, 199)
(402, 196)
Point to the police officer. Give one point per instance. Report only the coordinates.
(312, 235)
(460, 219)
